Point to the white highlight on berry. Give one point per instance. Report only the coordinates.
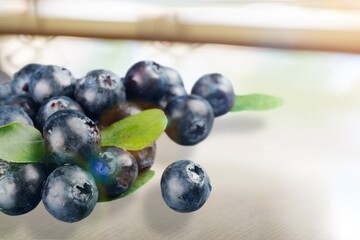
(90, 95)
(43, 87)
(31, 174)
(56, 139)
(62, 79)
(76, 125)
(176, 189)
(7, 202)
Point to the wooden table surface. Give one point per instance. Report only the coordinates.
(289, 173)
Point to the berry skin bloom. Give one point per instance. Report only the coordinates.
(218, 90)
(50, 81)
(70, 137)
(69, 194)
(98, 91)
(185, 186)
(20, 187)
(190, 119)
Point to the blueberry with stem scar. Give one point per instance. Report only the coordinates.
(185, 186)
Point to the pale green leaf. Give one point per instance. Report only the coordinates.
(21, 143)
(137, 131)
(256, 102)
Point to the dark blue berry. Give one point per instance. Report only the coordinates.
(20, 186)
(9, 114)
(145, 81)
(21, 79)
(217, 90)
(25, 102)
(185, 186)
(70, 137)
(50, 81)
(70, 194)
(114, 170)
(99, 90)
(145, 157)
(53, 105)
(190, 119)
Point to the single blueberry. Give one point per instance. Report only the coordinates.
(114, 170)
(50, 81)
(185, 186)
(21, 79)
(98, 91)
(218, 90)
(20, 186)
(70, 137)
(190, 119)
(70, 194)
(145, 81)
(53, 105)
(9, 114)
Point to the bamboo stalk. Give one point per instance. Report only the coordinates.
(162, 29)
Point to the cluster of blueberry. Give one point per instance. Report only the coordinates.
(78, 172)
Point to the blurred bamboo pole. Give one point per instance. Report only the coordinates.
(164, 29)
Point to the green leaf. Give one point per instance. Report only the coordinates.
(21, 143)
(140, 181)
(137, 131)
(256, 102)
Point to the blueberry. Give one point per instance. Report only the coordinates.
(145, 157)
(21, 79)
(25, 102)
(50, 81)
(70, 194)
(70, 137)
(20, 186)
(190, 119)
(99, 90)
(185, 186)
(53, 105)
(218, 90)
(117, 113)
(9, 114)
(114, 170)
(145, 81)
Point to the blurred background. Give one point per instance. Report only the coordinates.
(288, 173)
